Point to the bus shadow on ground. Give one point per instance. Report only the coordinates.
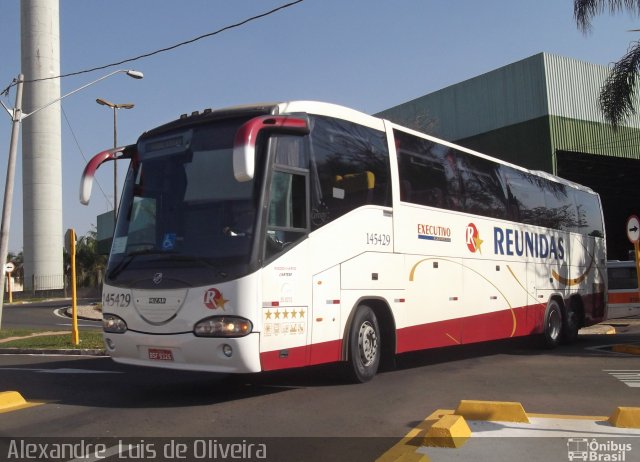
(99, 382)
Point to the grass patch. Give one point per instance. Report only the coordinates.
(6, 333)
(88, 339)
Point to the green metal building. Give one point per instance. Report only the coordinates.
(541, 113)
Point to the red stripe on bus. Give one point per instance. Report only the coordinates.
(319, 353)
(624, 297)
(472, 329)
(514, 322)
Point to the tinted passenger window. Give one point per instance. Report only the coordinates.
(349, 167)
(428, 173)
(589, 216)
(560, 208)
(437, 175)
(484, 190)
(529, 206)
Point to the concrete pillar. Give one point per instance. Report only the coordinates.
(41, 145)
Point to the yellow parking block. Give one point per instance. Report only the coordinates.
(405, 450)
(630, 349)
(12, 401)
(625, 417)
(447, 425)
(502, 411)
(451, 431)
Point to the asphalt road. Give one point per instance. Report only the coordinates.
(94, 397)
(41, 315)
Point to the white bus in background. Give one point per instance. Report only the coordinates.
(623, 298)
(274, 236)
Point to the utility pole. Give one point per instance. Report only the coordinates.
(5, 226)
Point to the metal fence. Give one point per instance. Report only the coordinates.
(46, 282)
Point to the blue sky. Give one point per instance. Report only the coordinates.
(365, 54)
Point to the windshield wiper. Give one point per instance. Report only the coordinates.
(130, 256)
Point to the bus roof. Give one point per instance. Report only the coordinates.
(340, 112)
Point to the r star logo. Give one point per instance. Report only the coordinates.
(213, 299)
(474, 243)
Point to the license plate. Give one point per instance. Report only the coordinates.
(157, 354)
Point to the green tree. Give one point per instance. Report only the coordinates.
(18, 260)
(617, 92)
(90, 265)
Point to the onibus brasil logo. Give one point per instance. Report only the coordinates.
(594, 450)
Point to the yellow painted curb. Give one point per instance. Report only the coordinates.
(503, 411)
(631, 349)
(405, 449)
(626, 417)
(12, 401)
(451, 431)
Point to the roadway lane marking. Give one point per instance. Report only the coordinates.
(97, 324)
(630, 378)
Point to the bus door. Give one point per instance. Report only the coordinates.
(285, 289)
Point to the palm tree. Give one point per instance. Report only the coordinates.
(616, 94)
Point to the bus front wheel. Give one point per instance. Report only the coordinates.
(364, 345)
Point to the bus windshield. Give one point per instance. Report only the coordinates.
(182, 213)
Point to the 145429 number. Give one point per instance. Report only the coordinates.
(378, 239)
(121, 300)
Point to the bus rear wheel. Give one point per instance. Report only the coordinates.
(570, 324)
(364, 348)
(552, 325)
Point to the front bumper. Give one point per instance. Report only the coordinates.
(185, 351)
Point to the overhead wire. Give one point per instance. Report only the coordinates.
(162, 50)
(14, 82)
(75, 138)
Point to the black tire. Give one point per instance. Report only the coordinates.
(364, 348)
(570, 324)
(552, 332)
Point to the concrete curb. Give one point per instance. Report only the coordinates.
(85, 312)
(598, 329)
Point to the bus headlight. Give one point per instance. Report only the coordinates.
(113, 324)
(223, 326)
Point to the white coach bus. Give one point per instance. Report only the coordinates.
(274, 236)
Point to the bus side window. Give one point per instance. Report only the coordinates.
(287, 215)
(349, 168)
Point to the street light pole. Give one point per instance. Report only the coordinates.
(115, 107)
(17, 116)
